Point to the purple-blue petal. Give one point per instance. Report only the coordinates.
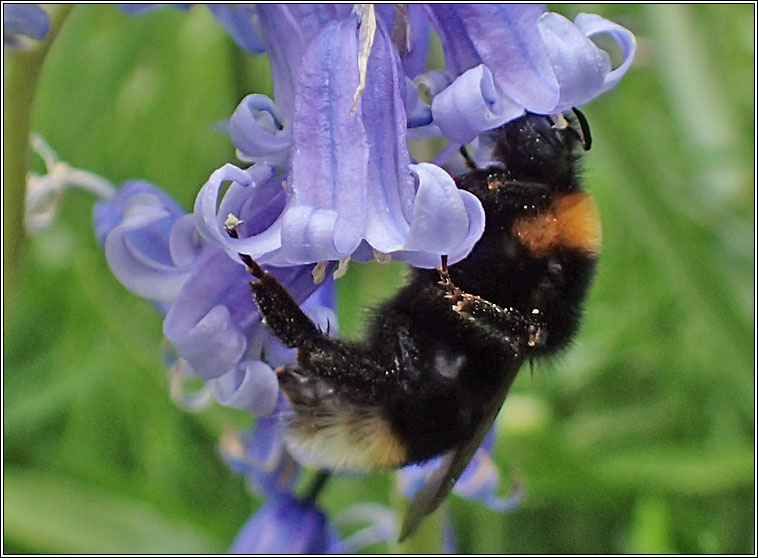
(379, 525)
(390, 191)
(241, 22)
(259, 132)
(256, 190)
(481, 481)
(579, 66)
(471, 105)
(287, 30)
(591, 24)
(506, 39)
(24, 19)
(109, 213)
(325, 217)
(410, 29)
(138, 248)
(414, 61)
(251, 386)
(446, 220)
(286, 525)
(209, 318)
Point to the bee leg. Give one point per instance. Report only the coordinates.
(303, 391)
(280, 311)
(277, 307)
(505, 321)
(488, 316)
(470, 163)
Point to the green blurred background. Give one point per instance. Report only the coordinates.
(639, 439)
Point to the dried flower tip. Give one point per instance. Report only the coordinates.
(365, 41)
(381, 257)
(341, 268)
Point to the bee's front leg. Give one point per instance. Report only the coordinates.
(280, 311)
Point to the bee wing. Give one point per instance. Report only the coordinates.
(443, 479)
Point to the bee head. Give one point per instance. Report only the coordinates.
(542, 149)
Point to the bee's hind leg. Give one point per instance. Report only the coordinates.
(303, 391)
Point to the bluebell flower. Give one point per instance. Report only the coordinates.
(154, 248)
(286, 525)
(507, 58)
(346, 100)
(28, 20)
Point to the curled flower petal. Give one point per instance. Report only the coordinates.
(138, 248)
(580, 67)
(213, 322)
(24, 19)
(286, 525)
(446, 220)
(471, 105)
(592, 24)
(210, 222)
(420, 120)
(505, 38)
(419, 113)
(109, 213)
(251, 386)
(241, 22)
(259, 132)
(481, 481)
(207, 320)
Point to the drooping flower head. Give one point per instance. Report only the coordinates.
(347, 96)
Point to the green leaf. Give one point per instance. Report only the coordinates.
(53, 513)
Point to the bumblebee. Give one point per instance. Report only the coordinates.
(440, 356)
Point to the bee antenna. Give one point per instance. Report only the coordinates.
(470, 163)
(585, 127)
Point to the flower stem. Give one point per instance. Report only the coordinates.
(21, 75)
(317, 484)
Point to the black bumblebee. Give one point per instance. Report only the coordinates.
(440, 356)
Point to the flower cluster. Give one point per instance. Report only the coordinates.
(333, 179)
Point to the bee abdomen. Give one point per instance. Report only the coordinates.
(331, 432)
